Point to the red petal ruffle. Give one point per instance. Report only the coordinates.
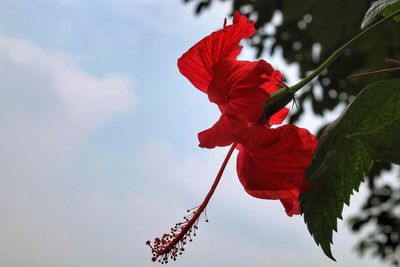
(196, 64)
(272, 162)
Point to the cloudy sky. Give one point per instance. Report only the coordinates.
(99, 150)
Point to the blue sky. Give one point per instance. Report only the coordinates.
(99, 148)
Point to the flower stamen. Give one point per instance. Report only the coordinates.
(169, 246)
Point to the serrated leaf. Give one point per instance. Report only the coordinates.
(391, 9)
(340, 162)
(376, 10)
(383, 143)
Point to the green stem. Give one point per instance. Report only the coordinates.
(283, 96)
(332, 58)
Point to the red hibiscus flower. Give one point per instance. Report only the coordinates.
(239, 88)
(271, 161)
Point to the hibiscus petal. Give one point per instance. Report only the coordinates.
(196, 64)
(236, 87)
(236, 77)
(278, 117)
(220, 134)
(271, 163)
(273, 82)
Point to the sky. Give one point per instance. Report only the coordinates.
(99, 149)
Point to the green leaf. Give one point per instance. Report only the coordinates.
(340, 162)
(391, 9)
(376, 10)
(383, 143)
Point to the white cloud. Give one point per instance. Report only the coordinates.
(86, 100)
(48, 105)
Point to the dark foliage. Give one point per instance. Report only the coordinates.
(311, 30)
(382, 210)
